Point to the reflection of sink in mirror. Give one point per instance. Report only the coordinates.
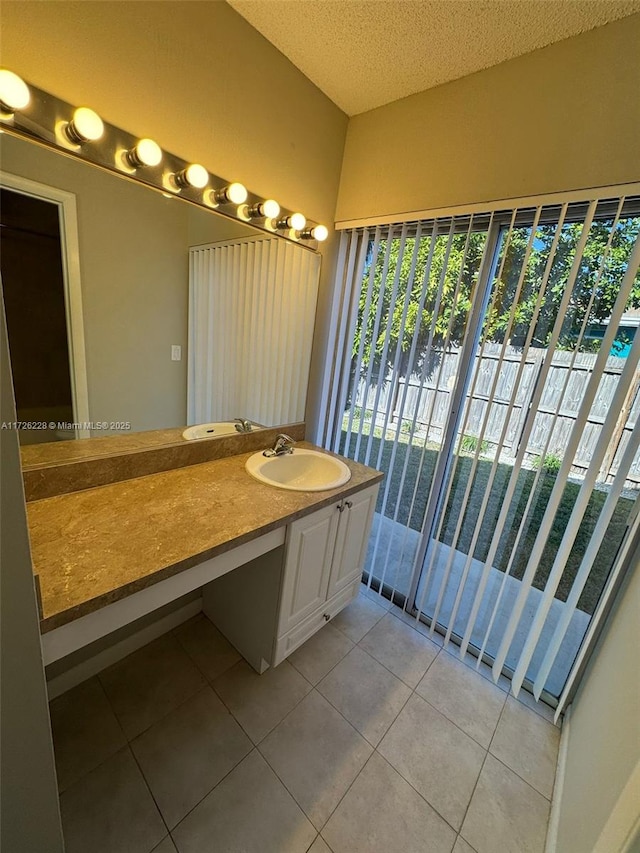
(217, 428)
(301, 470)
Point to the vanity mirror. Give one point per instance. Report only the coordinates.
(162, 312)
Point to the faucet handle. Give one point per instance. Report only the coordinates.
(283, 444)
(283, 438)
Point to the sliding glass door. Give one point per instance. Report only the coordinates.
(493, 376)
(413, 315)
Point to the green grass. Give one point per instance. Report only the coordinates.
(419, 479)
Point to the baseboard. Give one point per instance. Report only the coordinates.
(119, 650)
(551, 845)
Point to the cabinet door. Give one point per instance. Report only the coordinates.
(310, 545)
(352, 539)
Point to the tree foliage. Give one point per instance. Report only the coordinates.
(417, 292)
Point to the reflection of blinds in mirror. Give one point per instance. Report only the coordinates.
(252, 308)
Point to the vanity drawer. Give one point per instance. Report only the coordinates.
(289, 642)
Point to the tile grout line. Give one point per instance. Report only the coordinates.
(180, 703)
(127, 745)
(504, 764)
(326, 698)
(329, 670)
(522, 779)
(254, 748)
(384, 666)
(380, 755)
(231, 769)
(507, 690)
(104, 760)
(495, 758)
(229, 711)
(411, 785)
(453, 722)
(149, 790)
(195, 662)
(133, 755)
(208, 683)
(314, 689)
(439, 649)
(128, 742)
(421, 795)
(373, 748)
(460, 835)
(355, 642)
(528, 784)
(414, 692)
(466, 811)
(313, 842)
(350, 786)
(454, 655)
(163, 717)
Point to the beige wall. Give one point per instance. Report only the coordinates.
(564, 117)
(604, 736)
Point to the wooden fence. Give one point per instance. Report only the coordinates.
(556, 413)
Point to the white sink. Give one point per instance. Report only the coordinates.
(302, 471)
(210, 430)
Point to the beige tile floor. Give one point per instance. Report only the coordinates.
(371, 738)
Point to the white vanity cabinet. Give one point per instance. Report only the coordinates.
(267, 595)
(324, 558)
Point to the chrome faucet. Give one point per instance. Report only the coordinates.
(283, 445)
(243, 425)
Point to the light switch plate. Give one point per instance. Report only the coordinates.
(176, 352)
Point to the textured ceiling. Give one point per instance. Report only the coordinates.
(365, 53)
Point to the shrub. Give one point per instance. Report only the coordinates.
(550, 463)
(469, 444)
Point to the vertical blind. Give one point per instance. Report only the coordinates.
(480, 361)
(252, 309)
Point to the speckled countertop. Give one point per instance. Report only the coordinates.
(91, 548)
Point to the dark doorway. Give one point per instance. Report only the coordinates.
(33, 285)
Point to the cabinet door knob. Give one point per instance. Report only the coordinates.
(326, 616)
(349, 504)
(340, 507)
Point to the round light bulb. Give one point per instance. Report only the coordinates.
(320, 233)
(297, 221)
(87, 124)
(270, 208)
(237, 193)
(196, 176)
(14, 92)
(147, 153)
